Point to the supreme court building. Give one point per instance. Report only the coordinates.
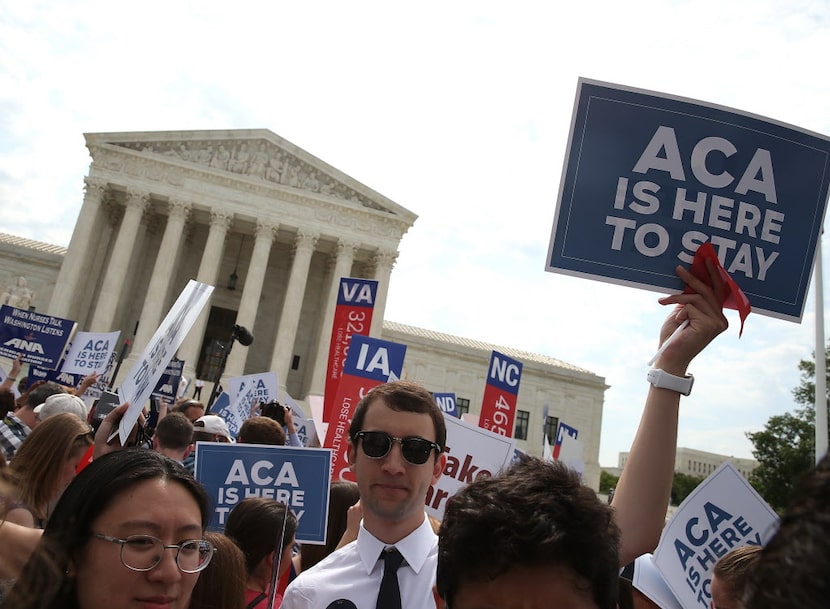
(273, 228)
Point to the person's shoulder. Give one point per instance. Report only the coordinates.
(344, 557)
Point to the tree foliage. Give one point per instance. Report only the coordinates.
(607, 481)
(805, 393)
(682, 486)
(785, 451)
(785, 448)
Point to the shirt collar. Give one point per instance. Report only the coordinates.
(17, 421)
(415, 547)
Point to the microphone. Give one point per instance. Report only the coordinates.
(242, 334)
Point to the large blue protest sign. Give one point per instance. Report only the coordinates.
(40, 339)
(298, 477)
(649, 177)
(56, 376)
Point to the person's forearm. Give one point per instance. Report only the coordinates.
(643, 491)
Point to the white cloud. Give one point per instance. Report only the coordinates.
(458, 111)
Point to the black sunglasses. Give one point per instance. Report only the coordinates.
(377, 444)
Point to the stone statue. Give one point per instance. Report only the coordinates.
(19, 296)
(220, 159)
(259, 162)
(239, 162)
(273, 172)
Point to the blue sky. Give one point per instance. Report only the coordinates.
(458, 111)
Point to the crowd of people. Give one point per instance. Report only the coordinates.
(92, 524)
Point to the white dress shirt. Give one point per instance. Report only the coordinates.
(353, 574)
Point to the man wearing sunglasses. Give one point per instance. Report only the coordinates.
(396, 451)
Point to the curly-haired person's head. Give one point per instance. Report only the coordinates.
(532, 524)
(793, 567)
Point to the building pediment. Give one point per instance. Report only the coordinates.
(258, 155)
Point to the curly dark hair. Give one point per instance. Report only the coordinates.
(534, 513)
(793, 568)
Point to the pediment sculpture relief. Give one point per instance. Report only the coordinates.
(255, 159)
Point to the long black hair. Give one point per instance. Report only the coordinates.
(45, 582)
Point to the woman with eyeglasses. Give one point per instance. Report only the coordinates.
(126, 533)
(43, 467)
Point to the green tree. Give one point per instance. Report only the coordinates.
(805, 393)
(785, 448)
(682, 485)
(785, 451)
(607, 481)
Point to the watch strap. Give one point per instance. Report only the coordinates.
(664, 380)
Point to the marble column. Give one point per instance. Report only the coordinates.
(342, 259)
(249, 303)
(304, 245)
(118, 266)
(155, 299)
(382, 261)
(220, 223)
(64, 301)
(106, 230)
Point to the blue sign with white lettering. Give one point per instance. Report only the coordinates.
(373, 358)
(298, 477)
(167, 386)
(649, 177)
(504, 372)
(447, 403)
(66, 379)
(357, 292)
(40, 339)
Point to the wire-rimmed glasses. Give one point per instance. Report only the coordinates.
(144, 552)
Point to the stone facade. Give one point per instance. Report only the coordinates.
(273, 228)
(700, 464)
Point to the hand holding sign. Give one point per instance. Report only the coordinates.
(702, 310)
(641, 496)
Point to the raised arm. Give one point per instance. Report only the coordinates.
(11, 379)
(642, 494)
(88, 381)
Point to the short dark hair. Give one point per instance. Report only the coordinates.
(42, 582)
(261, 430)
(534, 513)
(174, 431)
(255, 524)
(184, 405)
(38, 395)
(793, 568)
(402, 396)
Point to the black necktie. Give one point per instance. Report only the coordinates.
(389, 595)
